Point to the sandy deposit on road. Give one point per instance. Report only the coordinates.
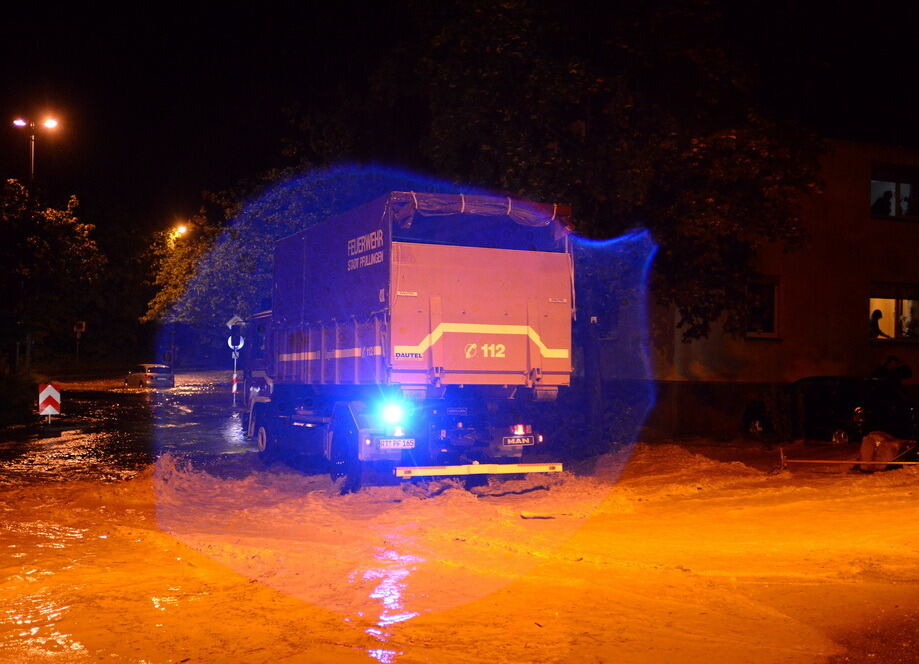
(666, 556)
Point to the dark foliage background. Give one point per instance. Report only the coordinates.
(645, 121)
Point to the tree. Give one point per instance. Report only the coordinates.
(50, 261)
(225, 265)
(639, 119)
(645, 122)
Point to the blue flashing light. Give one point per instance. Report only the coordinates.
(393, 413)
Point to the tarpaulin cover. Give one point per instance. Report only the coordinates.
(340, 268)
(406, 204)
(475, 220)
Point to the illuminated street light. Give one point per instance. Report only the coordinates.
(47, 123)
(178, 231)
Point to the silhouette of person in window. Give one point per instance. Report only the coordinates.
(882, 205)
(874, 325)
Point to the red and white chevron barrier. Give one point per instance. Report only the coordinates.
(49, 400)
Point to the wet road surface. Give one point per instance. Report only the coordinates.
(114, 548)
(110, 432)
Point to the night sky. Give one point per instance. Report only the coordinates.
(157, 105)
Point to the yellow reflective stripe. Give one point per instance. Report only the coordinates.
(340, 353)
(483, 328)
(294, 357)
(545, 351)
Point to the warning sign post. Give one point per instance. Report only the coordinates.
(49, 400)
(235, 344)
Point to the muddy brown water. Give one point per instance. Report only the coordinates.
(112, 433)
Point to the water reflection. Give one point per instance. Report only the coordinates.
(233, 433)
(389, 592)
(111, 432)
(36, 617)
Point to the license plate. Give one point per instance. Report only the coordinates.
(519, 440)
(397, 443)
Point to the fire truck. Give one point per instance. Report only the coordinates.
(412, 335)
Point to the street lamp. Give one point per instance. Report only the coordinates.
(178, 231)
(47, 123)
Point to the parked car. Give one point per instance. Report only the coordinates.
(842, 409)
(150, 375)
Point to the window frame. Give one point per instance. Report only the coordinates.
(775, 283)
(896, 176)
(899, 293)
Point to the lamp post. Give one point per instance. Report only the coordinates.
(47, 123)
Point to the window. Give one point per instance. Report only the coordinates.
(894, 192)
(893, 312)
(762, 305)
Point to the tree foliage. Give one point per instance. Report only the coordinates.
(640, 119)
(50, 263)
(645, 122)
(224, 267)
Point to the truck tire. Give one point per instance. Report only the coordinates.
(264, 442)
(344, 461)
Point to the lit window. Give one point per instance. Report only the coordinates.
(762, 304)
(893, 312)
(894, 192)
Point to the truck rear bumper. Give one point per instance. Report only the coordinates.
(478, 469)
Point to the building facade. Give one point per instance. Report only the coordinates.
(815, 310)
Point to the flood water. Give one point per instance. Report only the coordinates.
(112, 548)
(108, 432)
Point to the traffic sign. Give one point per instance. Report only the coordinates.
(239, 343)
(49, 399)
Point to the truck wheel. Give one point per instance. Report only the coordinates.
(344, 461)
(346, 464)
(353, 477)
(349, 468)
(343, 452)
(264, 443)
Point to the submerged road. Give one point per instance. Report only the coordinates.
(109, 431)
(114, 548)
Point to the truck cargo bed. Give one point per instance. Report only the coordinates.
(365, 309)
